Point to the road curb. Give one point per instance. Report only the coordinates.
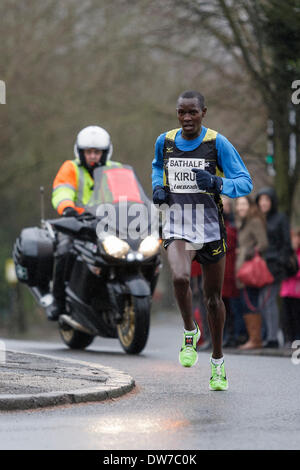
(117, 384)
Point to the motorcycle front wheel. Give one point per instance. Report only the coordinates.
(133, 331)
(75, 339)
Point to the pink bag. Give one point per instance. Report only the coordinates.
(255, 273)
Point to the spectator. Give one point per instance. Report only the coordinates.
(276, 254)
(252, 236)
(230, 289)
(290, 293)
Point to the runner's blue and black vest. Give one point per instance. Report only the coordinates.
(201, 212)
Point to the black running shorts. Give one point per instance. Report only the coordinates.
(211, 252)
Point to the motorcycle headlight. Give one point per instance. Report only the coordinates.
(149, 246)
(115, 247)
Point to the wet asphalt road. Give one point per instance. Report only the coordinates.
(172, 407)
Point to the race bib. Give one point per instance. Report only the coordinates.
(181, 177)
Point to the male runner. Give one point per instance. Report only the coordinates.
(187, 189)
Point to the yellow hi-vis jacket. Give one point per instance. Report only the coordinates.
(73, 186)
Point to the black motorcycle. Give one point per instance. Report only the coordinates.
(112, 265)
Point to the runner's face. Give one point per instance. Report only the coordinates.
(190, 117)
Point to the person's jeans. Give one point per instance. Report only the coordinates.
(268, 308)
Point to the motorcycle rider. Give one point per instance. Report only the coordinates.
(73, 184)
(72, 189)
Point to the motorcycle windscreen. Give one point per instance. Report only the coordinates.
(113, 185)
(121, 204)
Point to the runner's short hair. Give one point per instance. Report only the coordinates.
(193, 94)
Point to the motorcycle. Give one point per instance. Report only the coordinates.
(112, 265)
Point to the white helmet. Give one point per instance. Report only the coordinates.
(93, 137)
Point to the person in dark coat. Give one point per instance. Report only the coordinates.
(278, 251)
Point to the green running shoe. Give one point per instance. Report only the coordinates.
(218, 380)
(188, 355)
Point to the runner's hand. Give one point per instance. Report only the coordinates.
(159, 195)
(208, 182)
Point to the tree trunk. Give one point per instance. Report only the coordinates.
(283, 187)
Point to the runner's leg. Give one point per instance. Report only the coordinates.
(180, 260)
(213, 275)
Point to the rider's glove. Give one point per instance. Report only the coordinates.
(208, 182)
(69, 212)
(159, 195)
